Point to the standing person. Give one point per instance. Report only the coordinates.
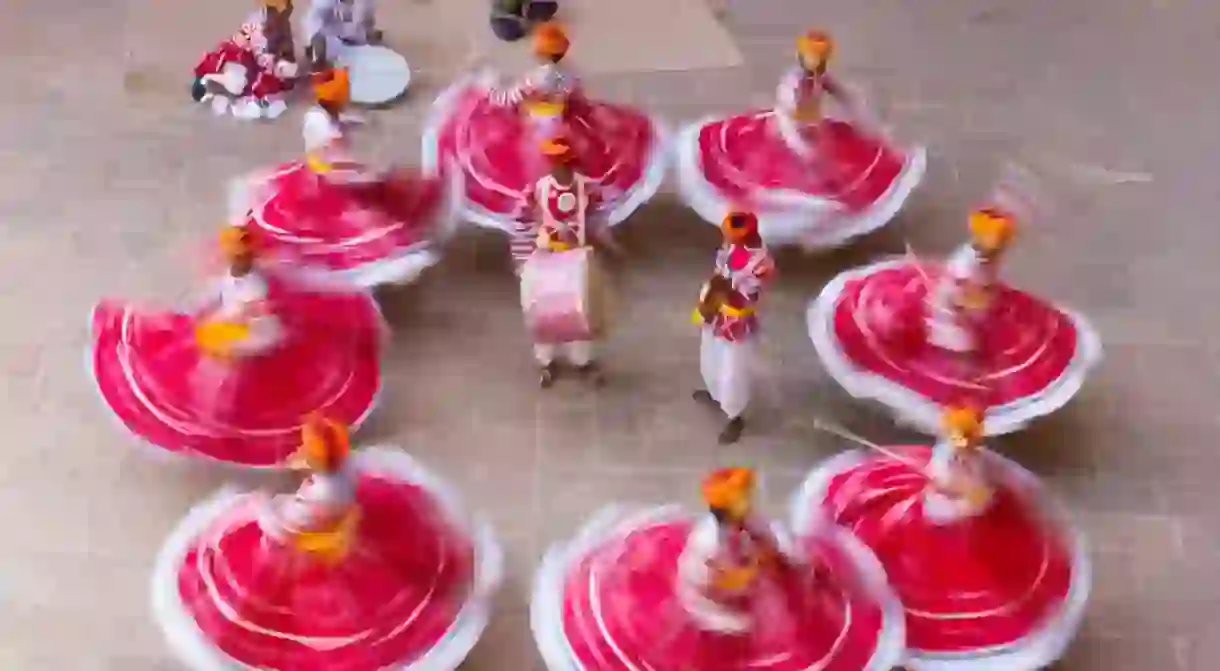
(727, 348)
(556, 219)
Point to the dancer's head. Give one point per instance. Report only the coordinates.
(991, 230)
(325, 445)
(332, 88)
(237, 246)
(551, 42)
(814, 50)
(729, 493)
(963, 425)
(741, 228)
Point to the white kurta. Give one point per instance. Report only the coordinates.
(946, 328)
(320, 502)
(338, 23)
(695, 578)
(946, 465)
(728, 370)
(239, 295)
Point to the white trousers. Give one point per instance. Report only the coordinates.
(727, 369)
(572, 353)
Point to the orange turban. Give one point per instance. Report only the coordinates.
(236, 242)
(324, 443)
(557, 149)
(992, 228)
(963, 420)
(815, 47)
(550, 40)
(728, 488)
(332, 86)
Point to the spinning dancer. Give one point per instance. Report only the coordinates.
(249, 73)
(331, 222)
(918, 336)
(727, 349)
(814, 179)
(332, 25)
(552, 249)
(371, 565)
(231, 380)
(492, 134)
(658, 589)
(990, 572)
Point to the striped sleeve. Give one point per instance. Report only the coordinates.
(525, 233)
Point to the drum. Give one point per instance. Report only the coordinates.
(379, 75)
(714, 295)
(563, 297)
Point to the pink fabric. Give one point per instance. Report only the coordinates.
(312, 220)
(555, 291)
(498, 150)
(145, 364)
(1026, 345)
(743, 155)
(621, 611)
(967, 586)
(395, 594)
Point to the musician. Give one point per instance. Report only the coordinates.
(555, 218)
(961, 299)
(330, 25)
(250, 73)
(727, 346)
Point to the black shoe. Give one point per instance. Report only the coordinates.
(198, 90)
(732, 431)
(592, 373)
(547, 375)
(538, 11)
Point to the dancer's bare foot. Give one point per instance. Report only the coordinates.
(704, 397)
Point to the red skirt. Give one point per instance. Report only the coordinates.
(1008, 586)
(329, 362)
(327, 233)
(869, 328)
(413, 591)
(498, 151)
(849, 184)
(608, 603)
(260, 82)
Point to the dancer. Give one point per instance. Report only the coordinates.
(814, 179)
(990, 572)
(727, 348)
(249, 73)
(372, 564)
(492, 134)
(331, 222)
(917, 336)
(231, 379)
(658, 589)
(552, 247)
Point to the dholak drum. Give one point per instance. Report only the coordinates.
(563, 296)
(714, 295)
(379, 75)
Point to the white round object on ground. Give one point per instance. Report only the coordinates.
(379, 75)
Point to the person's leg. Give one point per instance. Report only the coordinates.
(547, 370)
(735, 386)
(707, 368)
(581, 356)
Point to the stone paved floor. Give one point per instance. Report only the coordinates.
(107, 191)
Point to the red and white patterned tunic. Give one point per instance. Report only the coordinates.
(749, 268)
(559, 210)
